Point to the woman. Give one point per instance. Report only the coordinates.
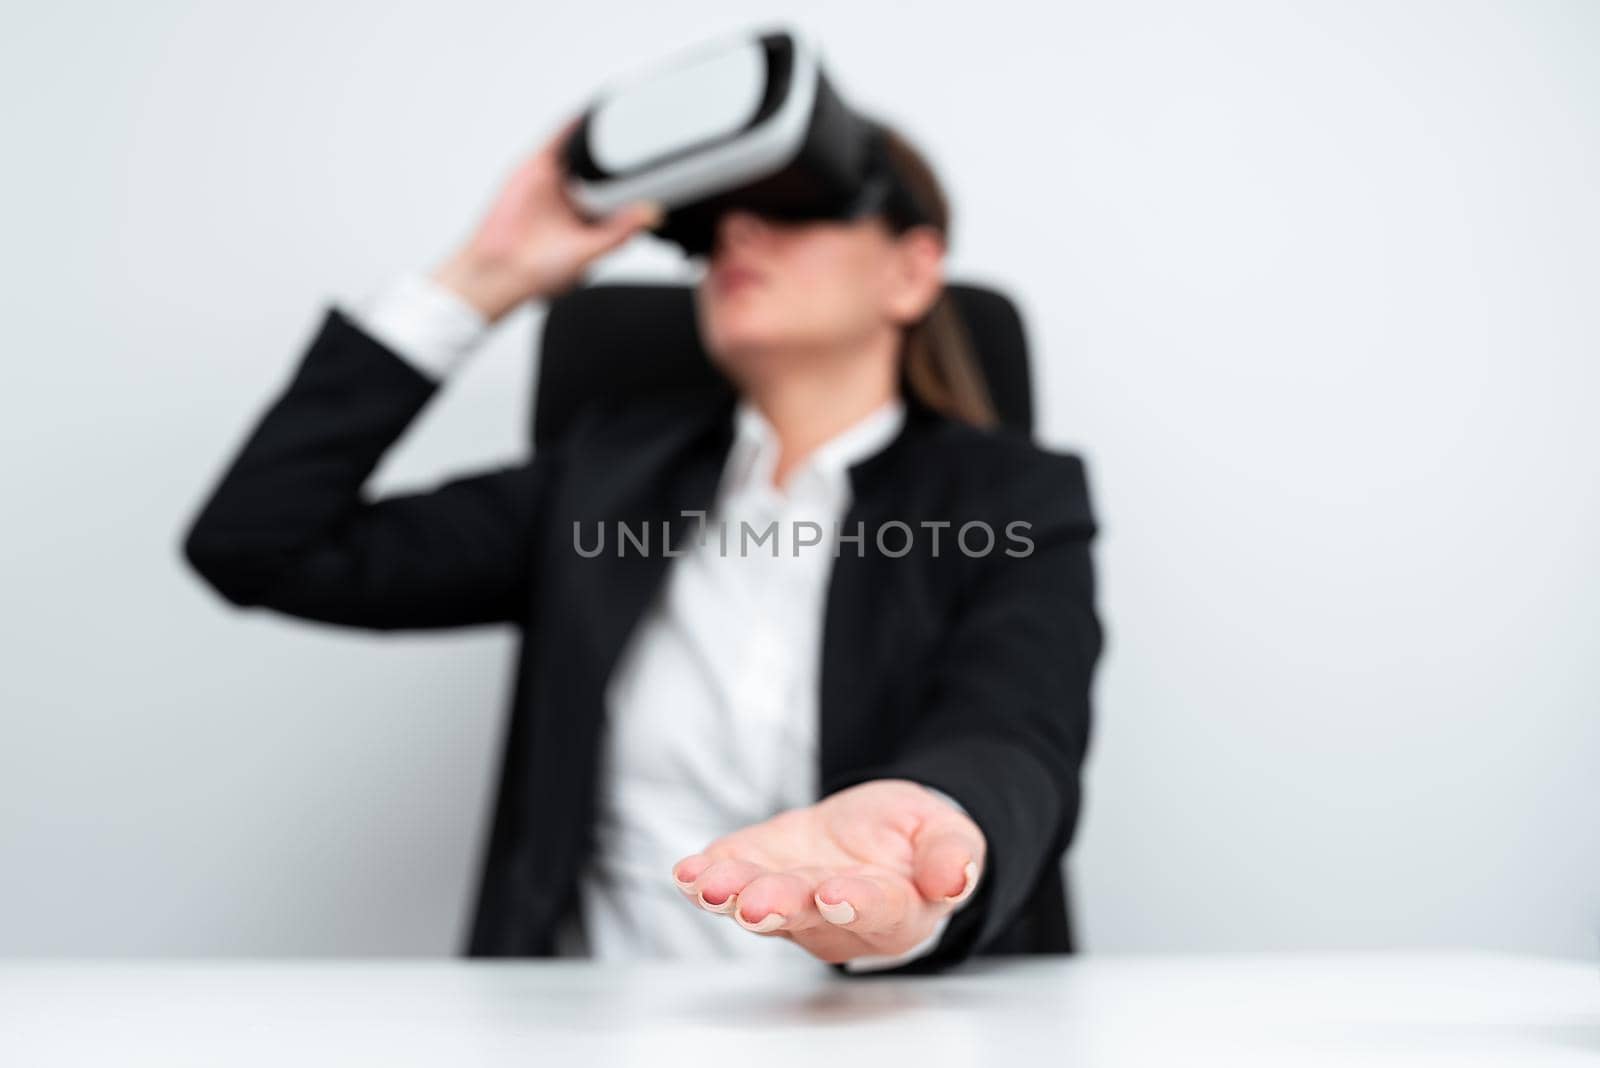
(854, 738)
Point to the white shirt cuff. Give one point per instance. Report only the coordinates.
(926, 946)
(424, 322)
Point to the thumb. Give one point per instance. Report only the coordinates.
(947, 862)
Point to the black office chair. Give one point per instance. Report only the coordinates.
(620, 339)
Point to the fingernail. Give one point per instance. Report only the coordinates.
(724, 908)
(842, 912)
(682, 884)
(770, 922)
(971, 871)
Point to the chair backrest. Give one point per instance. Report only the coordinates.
(622, 338)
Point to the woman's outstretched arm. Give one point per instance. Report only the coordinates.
(1003, 729)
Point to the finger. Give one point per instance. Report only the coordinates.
(862, 904)
(687, 870)
(690, 868)
(776, 901)
(717, 888)
(611, 231)
(945, 864)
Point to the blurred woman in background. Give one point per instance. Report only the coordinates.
(868, 747)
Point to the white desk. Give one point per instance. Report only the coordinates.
(1287, 1010)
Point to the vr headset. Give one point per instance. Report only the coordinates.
(749, 121)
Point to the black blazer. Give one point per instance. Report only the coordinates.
(967, 673)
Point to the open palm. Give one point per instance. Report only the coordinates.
(866, 871)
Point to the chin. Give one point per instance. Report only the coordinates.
(737, 336)
(739, 359)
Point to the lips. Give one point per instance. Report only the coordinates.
(733, 276)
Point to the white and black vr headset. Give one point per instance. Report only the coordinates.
(749, 121)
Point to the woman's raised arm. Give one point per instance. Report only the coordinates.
(288, 527)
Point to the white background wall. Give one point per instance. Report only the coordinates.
(1311, 286)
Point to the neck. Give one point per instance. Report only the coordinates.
(809, 401)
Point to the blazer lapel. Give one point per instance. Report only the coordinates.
(859, 623)
(647, 490)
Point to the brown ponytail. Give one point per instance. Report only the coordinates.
(938, 363)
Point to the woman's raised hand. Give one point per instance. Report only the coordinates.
(534, 243)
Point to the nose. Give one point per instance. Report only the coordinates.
(737, 227)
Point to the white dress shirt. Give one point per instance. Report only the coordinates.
(712, 709)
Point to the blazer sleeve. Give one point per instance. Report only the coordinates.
(1004, 722)
(288, 527)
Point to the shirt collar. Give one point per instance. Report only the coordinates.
(755, 448)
